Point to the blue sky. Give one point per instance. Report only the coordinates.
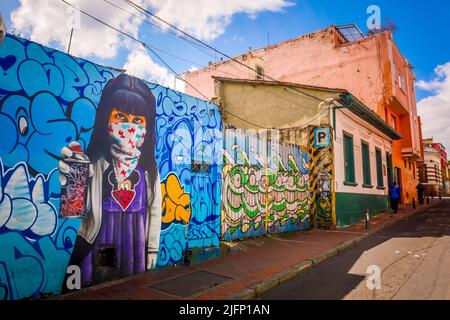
(422, 34)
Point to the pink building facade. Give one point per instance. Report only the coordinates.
(371, 67)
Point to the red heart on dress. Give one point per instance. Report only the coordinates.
(124, 198)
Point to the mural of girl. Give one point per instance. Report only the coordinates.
(119, 235)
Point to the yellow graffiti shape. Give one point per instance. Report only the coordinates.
(176, 204)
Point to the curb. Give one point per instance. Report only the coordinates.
(283, 276)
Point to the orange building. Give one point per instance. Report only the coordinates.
(371, 67)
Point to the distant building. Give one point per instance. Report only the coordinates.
(433, 171)
(447, 181)
(371, 67)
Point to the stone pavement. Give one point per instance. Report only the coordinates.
(247, 269)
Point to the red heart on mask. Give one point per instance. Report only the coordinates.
(124, 198)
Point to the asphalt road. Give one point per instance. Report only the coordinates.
(413, 257)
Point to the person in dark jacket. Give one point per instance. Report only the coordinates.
(394, 195)
(420, 190)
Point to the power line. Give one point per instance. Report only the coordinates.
(151, 50)
(291, 128)
(148, 47)
(155, 25)
(140, 8)
(190, 42)
(242, 119)
(139, 41)
(195, 45)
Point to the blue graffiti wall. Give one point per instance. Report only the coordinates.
(48, 99)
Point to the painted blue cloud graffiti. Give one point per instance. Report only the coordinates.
(33, 214)
(49, 109)
(189, 129)
(41, 129)
(40, 114)
(47, 99)
(32, 253)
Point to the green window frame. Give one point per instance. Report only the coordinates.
(389, 168)
(365, 156)
(349, 160)
(380, 180)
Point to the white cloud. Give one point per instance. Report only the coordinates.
(208, 19)
(141, 65)
(50, 22)
(435, 109)
(45, 21)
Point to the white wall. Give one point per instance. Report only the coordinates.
(432, 158)
(361, 130)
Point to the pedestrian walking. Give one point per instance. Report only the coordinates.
(420, 190)
(394, 195)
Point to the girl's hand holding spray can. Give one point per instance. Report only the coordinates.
(75, 170)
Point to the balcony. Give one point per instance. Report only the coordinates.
(411, 153)
(398, 107)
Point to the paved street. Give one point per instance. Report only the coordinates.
(413, 255)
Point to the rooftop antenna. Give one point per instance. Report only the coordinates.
(386, 25)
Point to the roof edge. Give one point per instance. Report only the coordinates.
(362, 111)
(284, 83)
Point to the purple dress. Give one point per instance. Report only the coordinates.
(120, 247)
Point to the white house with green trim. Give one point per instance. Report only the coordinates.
(358, 148)
(362, 160)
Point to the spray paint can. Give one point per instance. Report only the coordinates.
(74, 192)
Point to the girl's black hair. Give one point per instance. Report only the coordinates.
(133, 96)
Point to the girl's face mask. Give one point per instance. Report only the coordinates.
(127, 140)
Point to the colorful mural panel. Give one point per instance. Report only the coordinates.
(138, 142)
(265, 188)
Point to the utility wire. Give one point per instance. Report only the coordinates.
(147, 12)
(195, 45)
(161, 59)
(139, 41)
(138, 7)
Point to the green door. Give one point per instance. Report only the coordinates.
(389, 168)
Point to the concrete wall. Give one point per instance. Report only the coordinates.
(312, 59)
(285, 198)
(265, 105)
(49, 99)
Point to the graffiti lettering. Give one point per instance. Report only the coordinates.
(49, 99)
(263, 191)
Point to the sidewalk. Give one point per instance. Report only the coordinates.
(248, 268)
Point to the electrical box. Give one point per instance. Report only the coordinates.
(2, 30)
